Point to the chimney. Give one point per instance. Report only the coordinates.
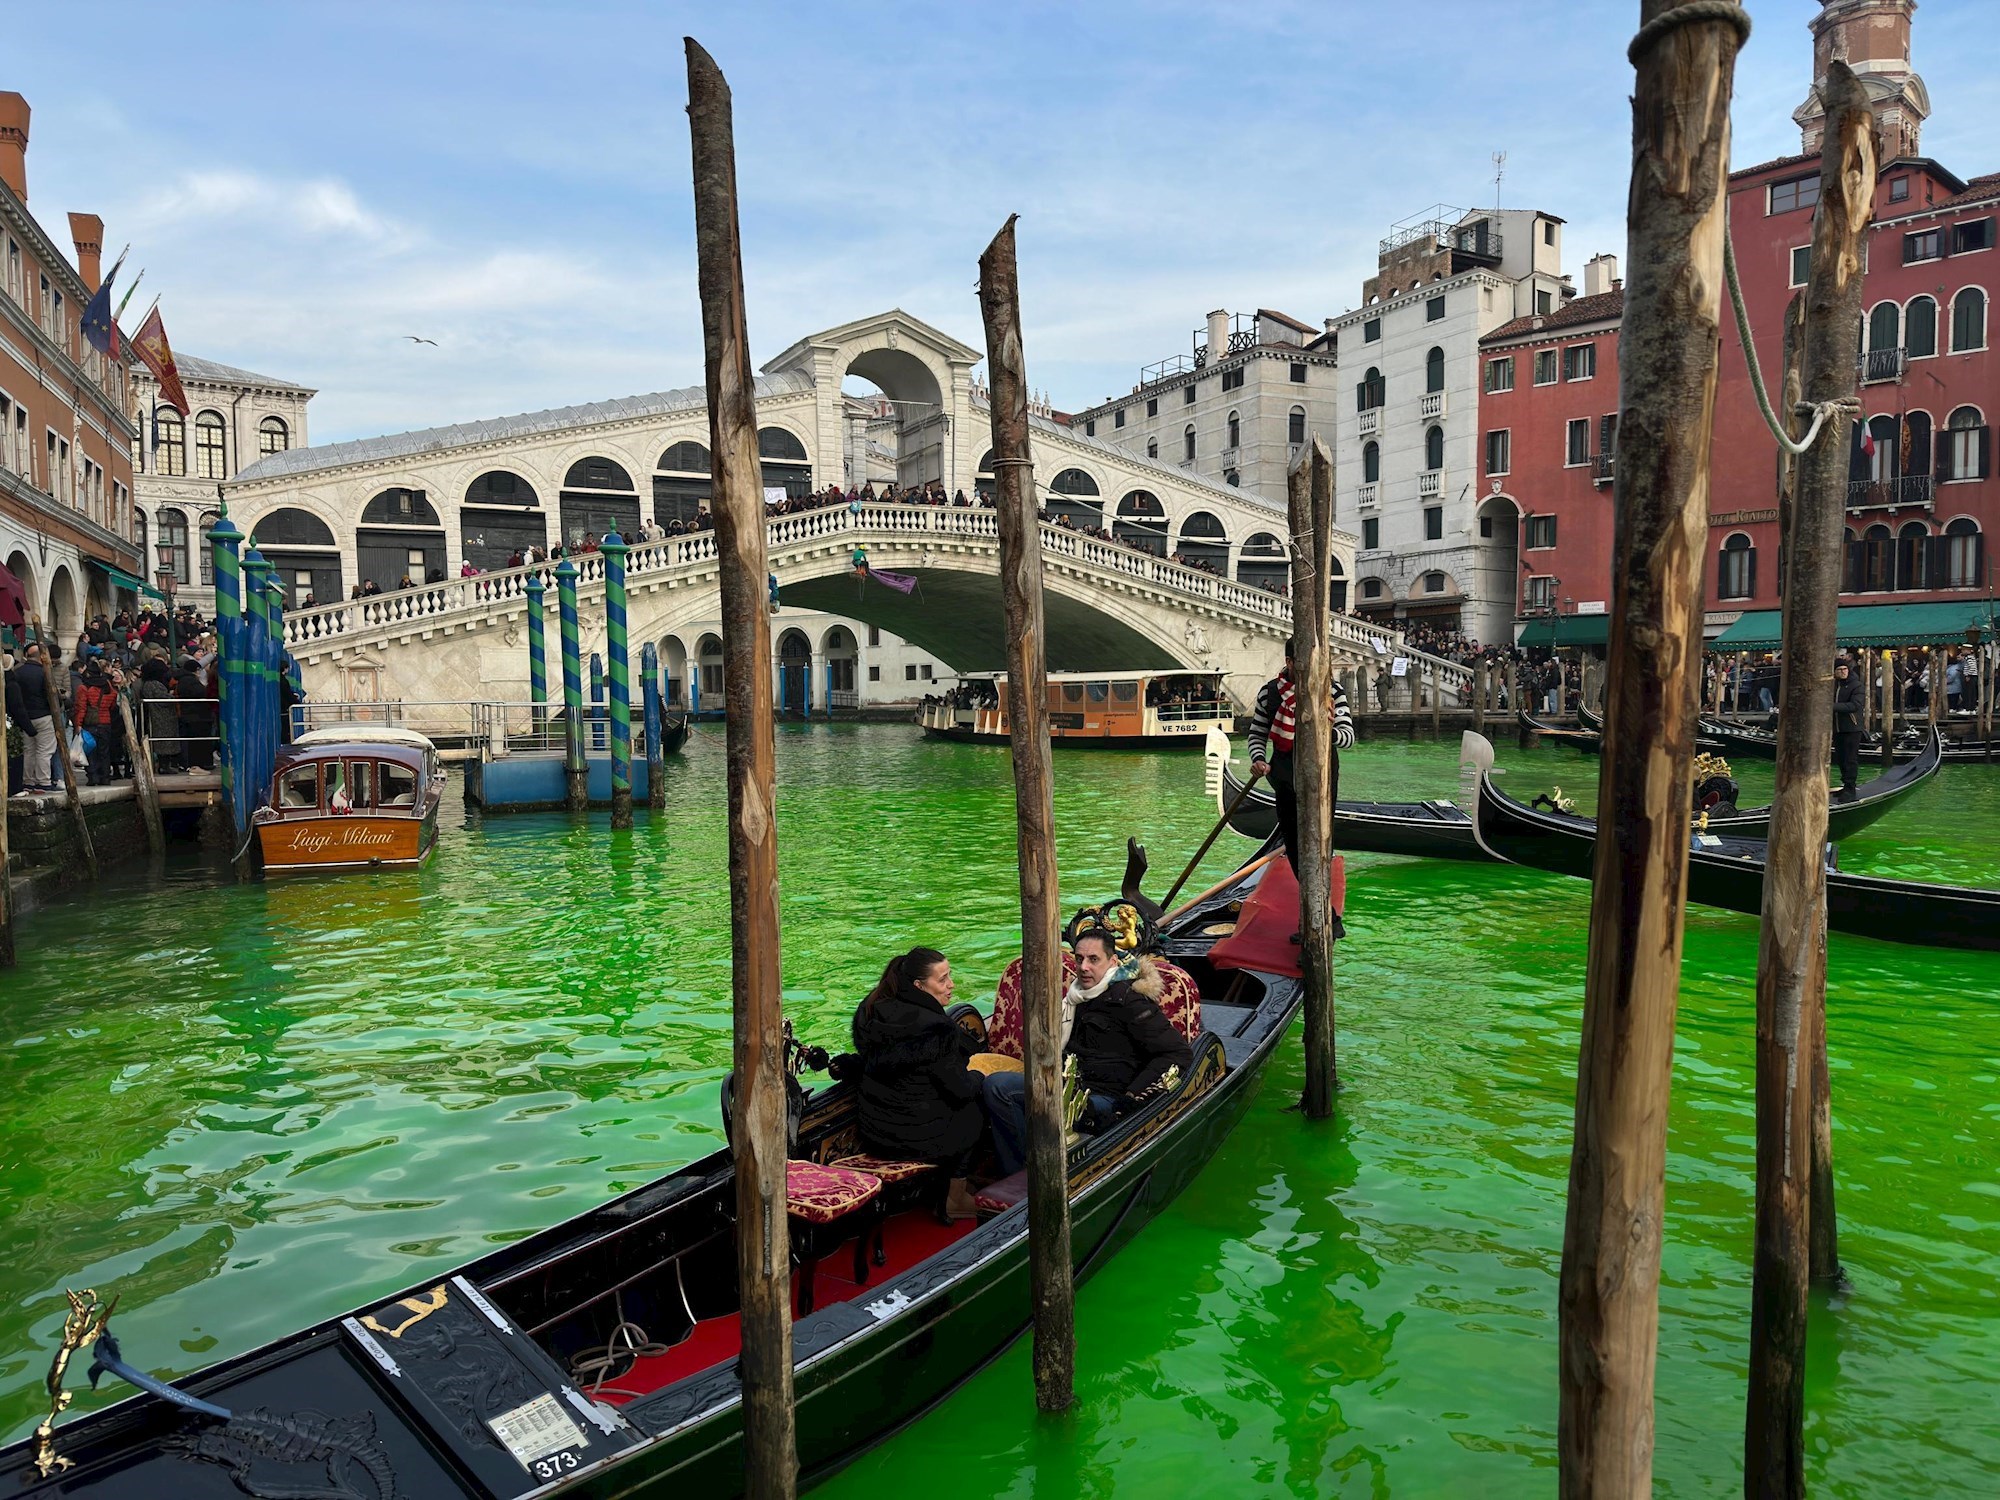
(1218, 334)
(1600, 275)
(1330, 322)
(87, 232)
(14, 144)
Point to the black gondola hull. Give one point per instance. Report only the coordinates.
(1426, 830)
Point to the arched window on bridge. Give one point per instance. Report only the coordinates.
(982, 476)
(1337, 585)
(500, 516)
(597, 497)
(1203, 543)
(708, 673)
(303, 556)
(1142, 522)
(1261, 562)
(400, 534)
(682, 485)
(1075, 494)
(784, 461)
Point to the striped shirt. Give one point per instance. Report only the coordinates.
(1275, 720)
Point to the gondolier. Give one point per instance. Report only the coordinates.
(1272, 728)
(1847, 710)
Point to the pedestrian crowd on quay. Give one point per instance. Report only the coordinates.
(1751, 680)
(163, 665)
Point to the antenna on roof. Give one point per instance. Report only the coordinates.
(1499, 172)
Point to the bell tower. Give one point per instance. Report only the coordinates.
(1873, 38)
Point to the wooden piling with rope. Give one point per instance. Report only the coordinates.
(1309, 497)
(1052, 1290)
(1608, 1299)
(1791, 958)
(759, 1136)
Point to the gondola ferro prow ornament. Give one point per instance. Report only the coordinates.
(81, 1327)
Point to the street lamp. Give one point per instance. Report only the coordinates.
(169, 578)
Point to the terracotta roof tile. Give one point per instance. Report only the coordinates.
(1602, 308)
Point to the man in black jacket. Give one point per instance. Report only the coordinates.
(31, 705)
(1847, 707)
(1113, 1026)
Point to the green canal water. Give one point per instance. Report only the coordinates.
(244, 1108)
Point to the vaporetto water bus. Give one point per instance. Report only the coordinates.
(1119, 710)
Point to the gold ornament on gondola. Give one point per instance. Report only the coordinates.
(1707, 765)
(84, 1322)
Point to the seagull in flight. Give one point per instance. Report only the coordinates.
(415, 340)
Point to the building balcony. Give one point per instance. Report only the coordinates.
(1371, 421)
(1601, 468)
(1892, 494)
(1429, 483)
(1369, 496)
(1881, 366)
(1430, 405)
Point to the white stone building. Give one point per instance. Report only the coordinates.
(238, 417)
(1237, 410)
(1408, 461)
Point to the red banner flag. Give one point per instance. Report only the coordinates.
(150, 344)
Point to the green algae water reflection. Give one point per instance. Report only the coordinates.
(246, 1108)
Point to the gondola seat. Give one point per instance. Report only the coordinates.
(1180, 998)
(827, 1204)
(905, 1184)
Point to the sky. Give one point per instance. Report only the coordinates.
(307, 183)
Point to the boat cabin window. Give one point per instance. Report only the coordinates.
(349, 785)
(398, 784)
(1099, 691)
(1072, 692)
(1125, 692)
(299, 787)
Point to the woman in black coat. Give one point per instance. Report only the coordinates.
(919, 1101)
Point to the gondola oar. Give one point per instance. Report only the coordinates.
(1214, 834)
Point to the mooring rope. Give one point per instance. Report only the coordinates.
(1687, 15)
(1818, 411)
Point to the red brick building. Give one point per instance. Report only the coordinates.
(67, 533)
(1921, 498)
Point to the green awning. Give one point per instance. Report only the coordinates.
(1944, 624)
(1583, 630)
(125, 580)
(1540, 631)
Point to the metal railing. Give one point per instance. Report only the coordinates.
(461, 602)
(1881, 366)
(1892, 494)
(1601, 468)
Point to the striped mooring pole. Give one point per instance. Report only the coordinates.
(576, 775)
(223, 541)
(613, 548)
(258, 723)
(649, 698)
(538, 652)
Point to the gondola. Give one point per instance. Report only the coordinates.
(1729, 872)
(480, 1382)
(1762, 744)
(1589, 740)
(1443, 830)
(673, 734)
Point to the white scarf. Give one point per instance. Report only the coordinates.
(1074, 996)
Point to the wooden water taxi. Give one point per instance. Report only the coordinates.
(1116, 710)
(352, 797)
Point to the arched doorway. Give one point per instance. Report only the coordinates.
(1142, 522)
(783, 460)
(1497, 566)
(682, 484)
(304, 558)
(64, 621)
(918, 427)
(674, 662)
(707, 687)
(399, 534)
(1204, 544)
(1261, 562)
(501, 515)
(24, 574)
(842, 668)
(794, 674)
(1075, 495)
(597, 498)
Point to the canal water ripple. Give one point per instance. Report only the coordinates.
(244, 1108)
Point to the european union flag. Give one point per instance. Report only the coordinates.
(98, 325)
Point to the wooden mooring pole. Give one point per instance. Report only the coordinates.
(758, 1139)
(140, 748)
(1052, 1291)
(1791, 956)
(1309, 495)
(1608, 1299)
(6, 852)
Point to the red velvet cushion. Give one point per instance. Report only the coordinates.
(1003, 1028)
(998, 1197)
(1180, 998)
(883, 1169)
(819, 1195)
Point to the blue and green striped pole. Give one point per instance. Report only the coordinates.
(280, 674)
(613, 547)
(576, 775)
(538, 651)
(257, 723)
(649, 697)
(223, 541)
